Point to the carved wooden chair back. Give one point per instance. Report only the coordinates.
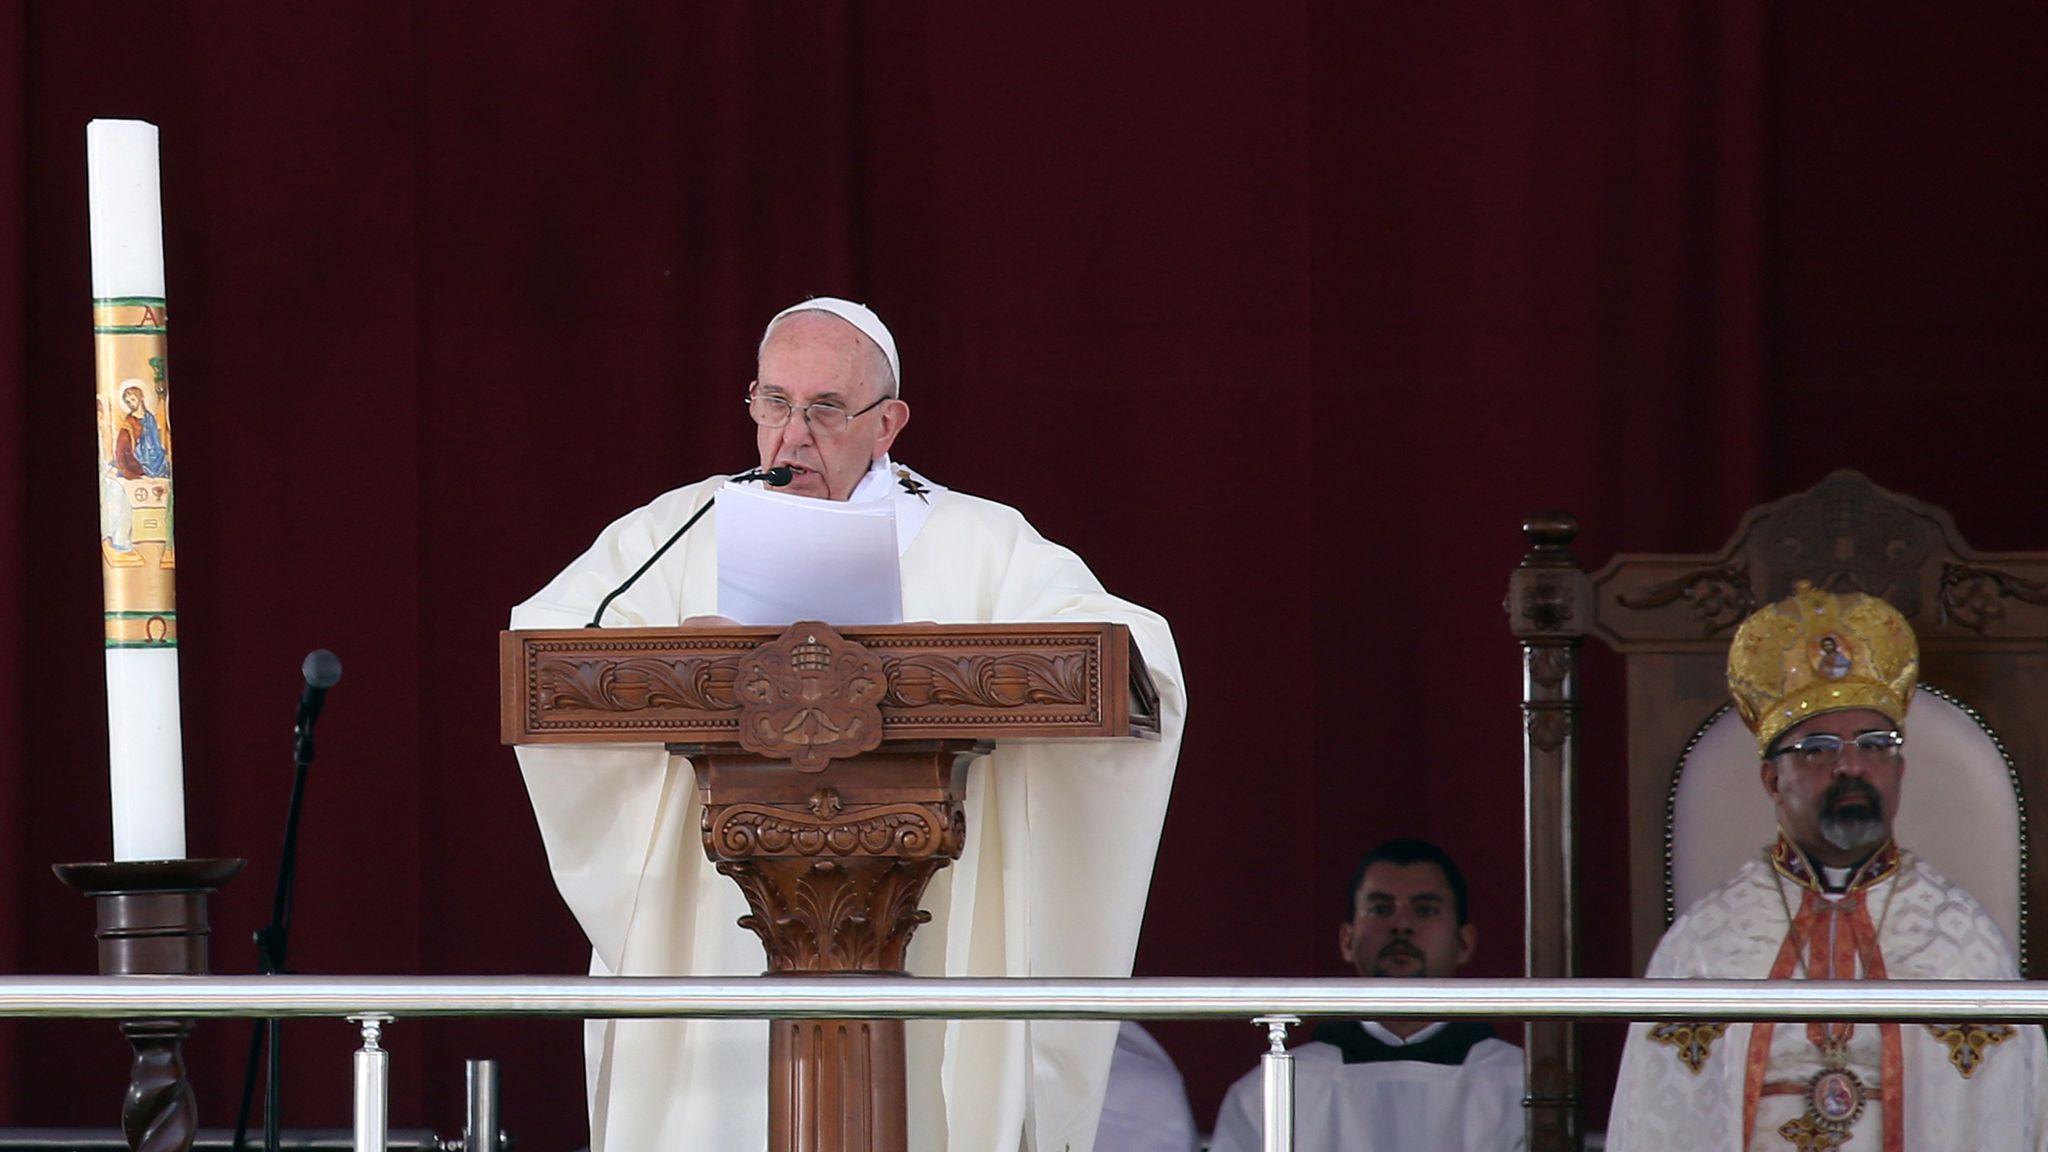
(1982, 621)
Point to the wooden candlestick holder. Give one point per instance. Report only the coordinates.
(152, 922)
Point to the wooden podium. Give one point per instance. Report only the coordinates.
(832, 769)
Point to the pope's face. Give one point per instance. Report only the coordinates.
(815, 357)
(1404, 923)
(1836, 813)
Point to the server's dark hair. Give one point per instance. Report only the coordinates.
(1408, 851)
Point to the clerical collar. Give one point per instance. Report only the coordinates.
(1794, 865)
(876, 484)
(1363, 1042)
(1388, 1036)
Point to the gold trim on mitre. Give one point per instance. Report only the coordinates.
(1816, 652)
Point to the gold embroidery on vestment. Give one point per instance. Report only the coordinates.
(1807, 1136)
(1966, 1043)
(1693, 1042)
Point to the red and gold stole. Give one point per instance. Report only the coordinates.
(1848, 952)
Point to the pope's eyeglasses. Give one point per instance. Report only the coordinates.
(773, 410)
(1825, 749)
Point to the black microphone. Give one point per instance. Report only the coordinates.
(777, 477)
(322, 670)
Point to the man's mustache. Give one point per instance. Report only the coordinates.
(1401, 948)
(1847, 787)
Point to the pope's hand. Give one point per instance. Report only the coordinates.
(710, 622)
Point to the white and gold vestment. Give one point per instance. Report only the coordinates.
(1832, 1085)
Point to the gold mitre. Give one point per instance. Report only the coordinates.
(1816, 652)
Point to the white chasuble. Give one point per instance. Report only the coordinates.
(1052, 880)
(1832, 1085)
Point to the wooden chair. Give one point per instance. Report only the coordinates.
(1977, 750)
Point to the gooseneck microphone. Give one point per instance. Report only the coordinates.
(777, 477)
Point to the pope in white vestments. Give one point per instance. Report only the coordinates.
(1060, 837)
(1823, 680)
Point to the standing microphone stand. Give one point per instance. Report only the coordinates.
(271, 942)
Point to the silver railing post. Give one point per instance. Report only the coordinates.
(373, 1086)
(480, 1131)
(1277, 1068)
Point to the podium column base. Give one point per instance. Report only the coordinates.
(836, 1085)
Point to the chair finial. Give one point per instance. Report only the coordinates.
(1550, 535)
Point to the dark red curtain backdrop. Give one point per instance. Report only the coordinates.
(1282, 315)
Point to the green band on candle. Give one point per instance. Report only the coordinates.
(141, 629)
(130, 316)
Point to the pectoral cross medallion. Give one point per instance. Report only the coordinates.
(1834, 1099)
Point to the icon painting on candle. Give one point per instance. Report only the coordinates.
(138, 548)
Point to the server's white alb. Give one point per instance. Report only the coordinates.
(1451, 1087)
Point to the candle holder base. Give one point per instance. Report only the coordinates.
(152, 922)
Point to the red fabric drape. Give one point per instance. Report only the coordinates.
(13, 508)
(1283, 316)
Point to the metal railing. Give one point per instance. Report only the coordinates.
(375, 1001)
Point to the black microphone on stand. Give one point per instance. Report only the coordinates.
(777, 477)
(322, 670)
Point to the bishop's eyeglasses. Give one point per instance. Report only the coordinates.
(1825, 749)
(773, 410)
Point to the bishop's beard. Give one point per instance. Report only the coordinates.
(1858, 829)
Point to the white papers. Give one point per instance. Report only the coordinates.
(785, 558)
